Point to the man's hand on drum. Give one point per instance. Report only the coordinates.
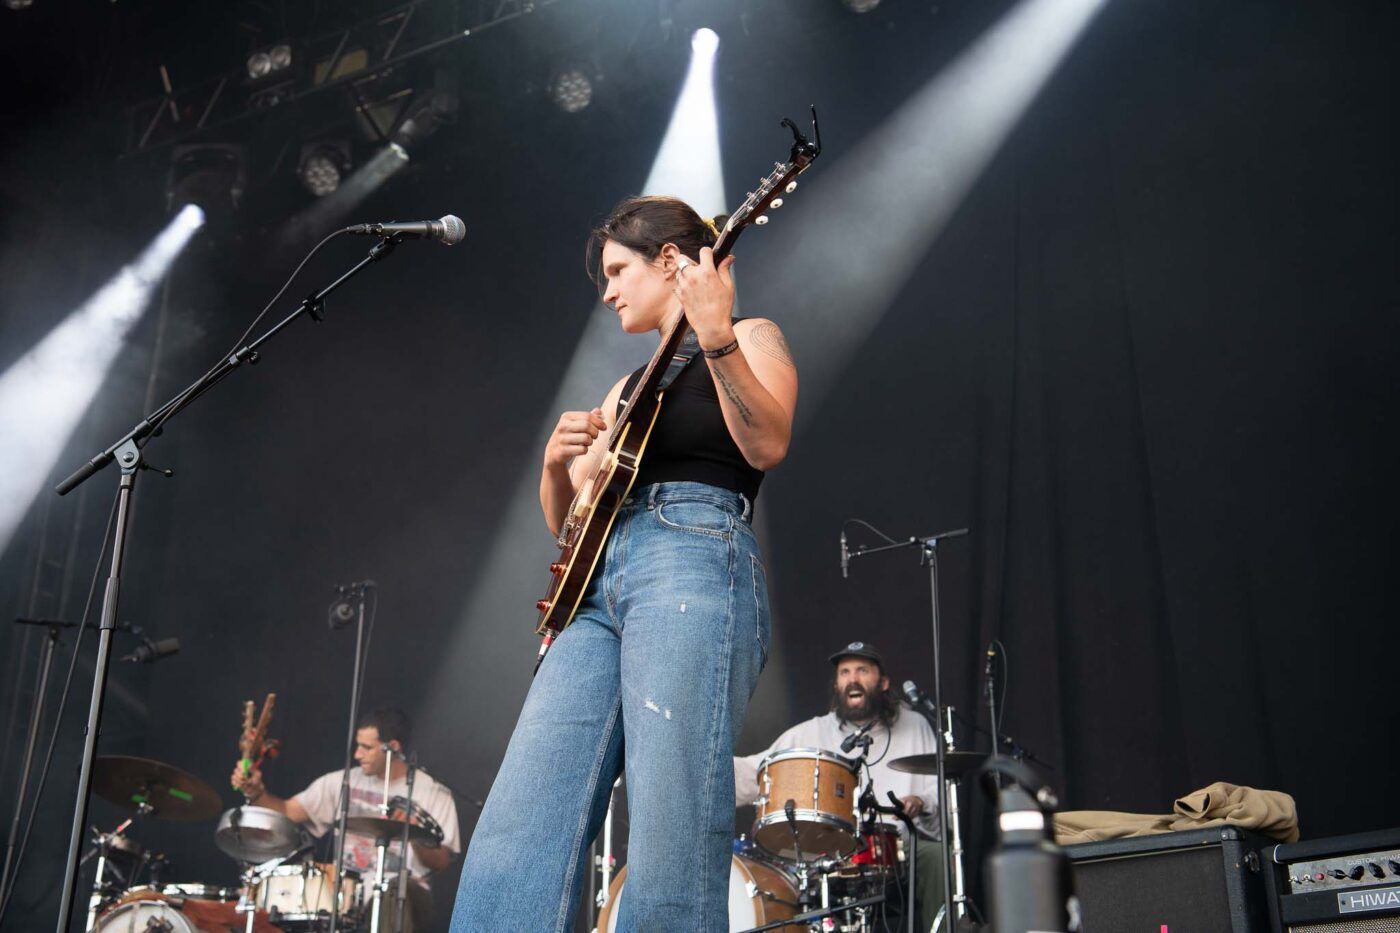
(913, 805)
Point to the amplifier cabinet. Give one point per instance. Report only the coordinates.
(1197, 881)
(1345, 884)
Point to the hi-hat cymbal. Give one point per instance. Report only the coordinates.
(955, 764)
(167, 792)
(381, 829)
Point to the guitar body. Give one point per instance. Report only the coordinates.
(589, 523)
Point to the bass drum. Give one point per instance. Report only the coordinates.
(150, 911)
(758, 894)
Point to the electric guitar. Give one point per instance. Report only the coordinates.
(602, 493)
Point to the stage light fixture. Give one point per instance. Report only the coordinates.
(266, 61)
(571, 90)
(861, 6)
(211, 175)
(19, 4)
(425, 116)
(322, 165)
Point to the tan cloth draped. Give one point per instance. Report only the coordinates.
(1270, 812)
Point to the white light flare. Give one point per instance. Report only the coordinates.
(514, 574)
(887, 200)
(45, 393)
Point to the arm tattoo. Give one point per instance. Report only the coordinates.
(768, 338)
(739, 404)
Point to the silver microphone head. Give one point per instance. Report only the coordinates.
(453, 230)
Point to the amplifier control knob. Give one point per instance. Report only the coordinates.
(1376, 870)
(1394, 866)
(1337, 873)
(1357, 872)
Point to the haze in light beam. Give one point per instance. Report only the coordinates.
(45, 392)
(885, 202)
(499, 612)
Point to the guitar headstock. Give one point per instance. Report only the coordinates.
(774, 187)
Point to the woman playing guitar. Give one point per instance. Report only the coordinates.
(670, 636)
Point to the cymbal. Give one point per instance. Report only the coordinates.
(170, 793)
(385, 830)
(955, 764)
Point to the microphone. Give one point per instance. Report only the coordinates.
(857, 737)
(449, 229)
(919, 700)
(845, 556)
(987, 675)
(153, 651)
(342, 613)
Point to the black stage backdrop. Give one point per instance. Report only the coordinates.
(1149, 364)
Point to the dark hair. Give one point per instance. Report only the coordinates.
(392, 723)
(645, 224)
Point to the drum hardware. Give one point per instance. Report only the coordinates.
(254, 835)
(606, 863)
(109, 881)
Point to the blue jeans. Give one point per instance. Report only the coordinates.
(660, 660)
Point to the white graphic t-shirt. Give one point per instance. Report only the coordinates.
(366, 796)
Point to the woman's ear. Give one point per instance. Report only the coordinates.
(668, 256)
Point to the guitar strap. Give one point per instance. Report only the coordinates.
(687, 351)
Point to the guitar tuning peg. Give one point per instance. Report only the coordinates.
(776, 202)
(760, 221)
(791, 186)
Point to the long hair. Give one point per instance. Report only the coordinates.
(645, 224)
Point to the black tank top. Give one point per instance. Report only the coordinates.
(690, 442)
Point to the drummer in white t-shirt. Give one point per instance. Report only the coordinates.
(861, 697)
(315, 807)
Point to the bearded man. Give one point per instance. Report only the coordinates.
(861, 699)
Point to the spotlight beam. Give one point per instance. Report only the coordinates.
(44, 394)
(874, 214)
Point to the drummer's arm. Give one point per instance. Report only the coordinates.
(257, 795)
(436, 858)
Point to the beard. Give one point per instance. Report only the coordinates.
(857, 705)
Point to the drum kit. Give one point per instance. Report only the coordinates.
(282, 887)
(819, 858)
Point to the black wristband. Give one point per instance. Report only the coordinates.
(725, 350)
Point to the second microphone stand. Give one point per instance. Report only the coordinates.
(928, 556)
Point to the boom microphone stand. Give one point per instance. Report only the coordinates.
(127, 451)
(356, 593)
(928, 556)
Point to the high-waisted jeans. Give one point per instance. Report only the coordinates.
(660, 661)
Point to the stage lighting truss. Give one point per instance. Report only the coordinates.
(338, 61)
(323, 164)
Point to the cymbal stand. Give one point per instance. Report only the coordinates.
(102, 845)
(401, 894)
(953, 832)
(606, 862)
(381, 846)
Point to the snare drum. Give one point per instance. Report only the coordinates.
(823, 789)
(880, 852)
(758, 893)
(302, 893)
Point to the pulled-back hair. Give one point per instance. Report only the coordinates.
(645, 224)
